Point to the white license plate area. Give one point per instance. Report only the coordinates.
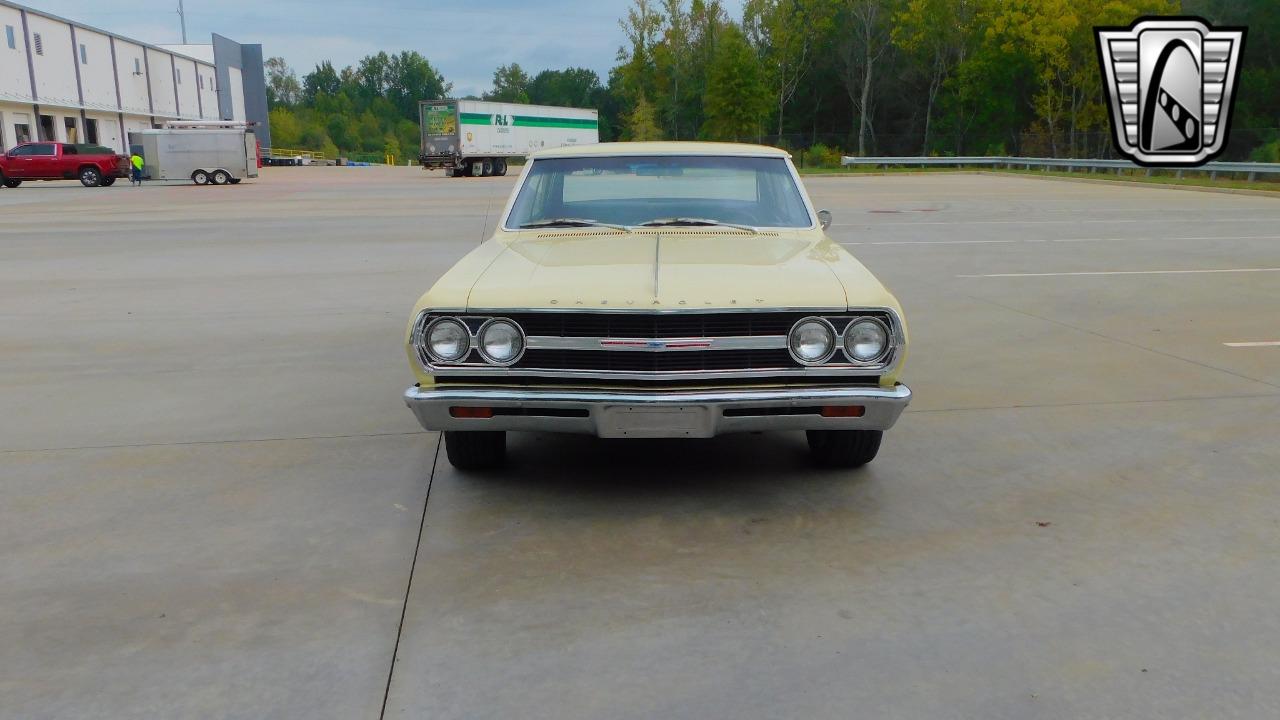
(640, 421)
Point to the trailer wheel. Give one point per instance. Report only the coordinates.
(221, 177)
(486, 168)
(499, 167)
(200, 177)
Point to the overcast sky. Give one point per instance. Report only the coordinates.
(464, 40)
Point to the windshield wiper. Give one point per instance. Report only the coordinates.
(572, 222)
(694, 222)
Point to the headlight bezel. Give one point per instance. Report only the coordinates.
(427, 347)
(487, 327)
(832, 335)
(880, 358)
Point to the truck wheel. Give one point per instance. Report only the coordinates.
(200, 177)
(487, 168)
(499, 167)
(475, 450)
(844, 448)
(221, 177)
(108, 181)
(90, 176)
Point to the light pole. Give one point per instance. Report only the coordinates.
(182, 15)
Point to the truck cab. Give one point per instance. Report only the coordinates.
(93, 165)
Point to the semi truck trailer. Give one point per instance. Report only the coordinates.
(477, 137)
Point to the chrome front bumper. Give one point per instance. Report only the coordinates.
(658, 413)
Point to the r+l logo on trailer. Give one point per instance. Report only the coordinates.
(1170, 84)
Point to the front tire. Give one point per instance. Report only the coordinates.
(90, 177)
(473, 450)
(844, 448)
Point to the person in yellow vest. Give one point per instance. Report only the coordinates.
(135, 175)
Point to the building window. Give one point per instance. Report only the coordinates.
(8, 35)
(39, 41)
(84, 55)
(91, 130)
(137, 66)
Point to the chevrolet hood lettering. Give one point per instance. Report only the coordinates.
(676, 271)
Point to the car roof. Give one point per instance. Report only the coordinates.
(631, 149)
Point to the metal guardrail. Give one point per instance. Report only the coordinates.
(1252, 169)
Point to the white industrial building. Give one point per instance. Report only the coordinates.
(64, 81)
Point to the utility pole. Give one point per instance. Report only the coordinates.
(182, 15)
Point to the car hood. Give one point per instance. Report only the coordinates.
(663, 270)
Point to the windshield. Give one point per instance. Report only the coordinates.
(665, 190)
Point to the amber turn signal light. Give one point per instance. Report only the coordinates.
(843, 411)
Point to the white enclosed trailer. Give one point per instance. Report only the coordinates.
(477, 137)
(206, 153)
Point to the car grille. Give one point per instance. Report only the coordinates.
(583, 357)
(664, 325)
(615, 361)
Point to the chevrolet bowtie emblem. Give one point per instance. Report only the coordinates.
(1169, 84)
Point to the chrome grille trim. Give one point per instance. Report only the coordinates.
(617, 344)
(839, 365)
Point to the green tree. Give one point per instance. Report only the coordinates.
(642, 122)
(283, 87)
(737, 96)
(510, 84)
(286, 130)
(324, 79)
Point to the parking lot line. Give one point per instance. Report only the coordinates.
(1263, 343)
(1180, 221)
(1124, 272)
(1059, 240)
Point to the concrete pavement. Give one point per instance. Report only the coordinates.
(211, 495)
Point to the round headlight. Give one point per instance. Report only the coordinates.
(866, 340)
(448, 340)
(501, 341)
(812, 341)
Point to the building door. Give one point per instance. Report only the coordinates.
(91, 131)
(73, 132)
(46, 128)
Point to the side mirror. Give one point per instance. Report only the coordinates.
(824, 218)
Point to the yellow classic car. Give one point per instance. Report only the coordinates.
(644, 290)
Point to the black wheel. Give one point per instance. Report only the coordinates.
(475, 450)
(90, 176)
(9, 182)
(220, 177)
(108, 181)
(499, 167)
(487, 168)
(844, 448)
(200, 177)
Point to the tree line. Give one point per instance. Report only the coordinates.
(867, 77)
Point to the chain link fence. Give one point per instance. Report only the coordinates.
(823, 150)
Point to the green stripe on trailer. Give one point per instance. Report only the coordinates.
(531, 121)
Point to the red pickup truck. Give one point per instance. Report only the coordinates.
(94, 165)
